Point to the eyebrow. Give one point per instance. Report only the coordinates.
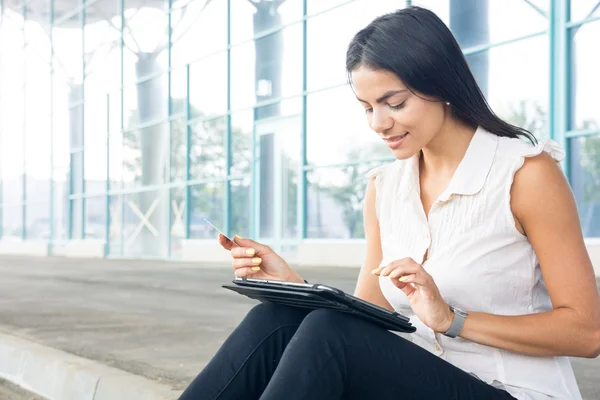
(386, 96)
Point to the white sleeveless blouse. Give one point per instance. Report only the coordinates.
(477, 257)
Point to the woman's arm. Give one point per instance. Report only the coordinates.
(367, 287)
(545, 211)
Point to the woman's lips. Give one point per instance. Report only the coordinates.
(396, 141)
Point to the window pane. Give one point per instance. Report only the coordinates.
(337, 130)
(37, 155)
(269, 68)
(12, 110)
(521, 99)
(290, 162)
(581, 9)
(60, 138)
(147, 27)
(585, 182)
(145, 102)
(242, 124)
(12, 193)
(37, 150)
(95, 217)
(145, 155)
(11, 159)
(77, 218)
(335, 197)
(278, 132)
(115, 225)
(315, 6)
(250, 19)
(471, 22)
(38, 19)
(37, 94)
(95, 169)
(130, 58)
(476, 22)
(369, 9)
(242, 76)
(198, 19)
(207, 152)
(101, 41)
(114, 112)
(241, 207)
(12, 100)
(38, 188)
(207, 202)
(12, 222)
(95, 121)
(75, 126)
(326, 60)
(585, 80)
(146, 227)
(116, 166)
(208, 86)
(61, 205)
(38, 221)
(76, 170)
(63, 91)
(178, 149)
(67, 41)
(542, 5)
(178, 211)
(179, 99)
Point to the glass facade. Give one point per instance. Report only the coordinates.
(131, 121)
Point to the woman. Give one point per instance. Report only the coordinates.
(472, 232)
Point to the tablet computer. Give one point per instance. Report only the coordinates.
(315, 296)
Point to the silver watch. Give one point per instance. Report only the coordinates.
(457, 322)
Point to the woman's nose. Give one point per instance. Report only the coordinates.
(381, 121)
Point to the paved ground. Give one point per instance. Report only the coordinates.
(156, 319)
(160, 320)
(8, 391)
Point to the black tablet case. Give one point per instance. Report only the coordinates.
(315, 296)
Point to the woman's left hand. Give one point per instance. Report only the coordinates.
(422, 292)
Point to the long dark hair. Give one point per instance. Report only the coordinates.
(418, 47)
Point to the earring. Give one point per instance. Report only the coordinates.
(447, 103)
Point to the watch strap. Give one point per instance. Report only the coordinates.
(457, 323)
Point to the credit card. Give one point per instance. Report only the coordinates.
(218, 230)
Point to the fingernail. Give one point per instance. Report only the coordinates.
(237, 237)
(394, 274)
(250, 252)
(383, 272)
(375, 271)
(255, 268)
(403, 278)
(256, 260)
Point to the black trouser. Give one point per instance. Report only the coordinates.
(284, 353)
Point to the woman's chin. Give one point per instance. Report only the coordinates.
(404, 153)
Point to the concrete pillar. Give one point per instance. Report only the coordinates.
(154, 143)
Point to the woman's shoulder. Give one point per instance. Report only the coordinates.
(515, 151)
(385, 170)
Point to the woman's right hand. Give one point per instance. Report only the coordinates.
(256, 260)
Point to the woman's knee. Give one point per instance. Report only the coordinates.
(337, 325)
(324, 321)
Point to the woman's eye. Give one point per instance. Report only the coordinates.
(368, 110)
(397, 107)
